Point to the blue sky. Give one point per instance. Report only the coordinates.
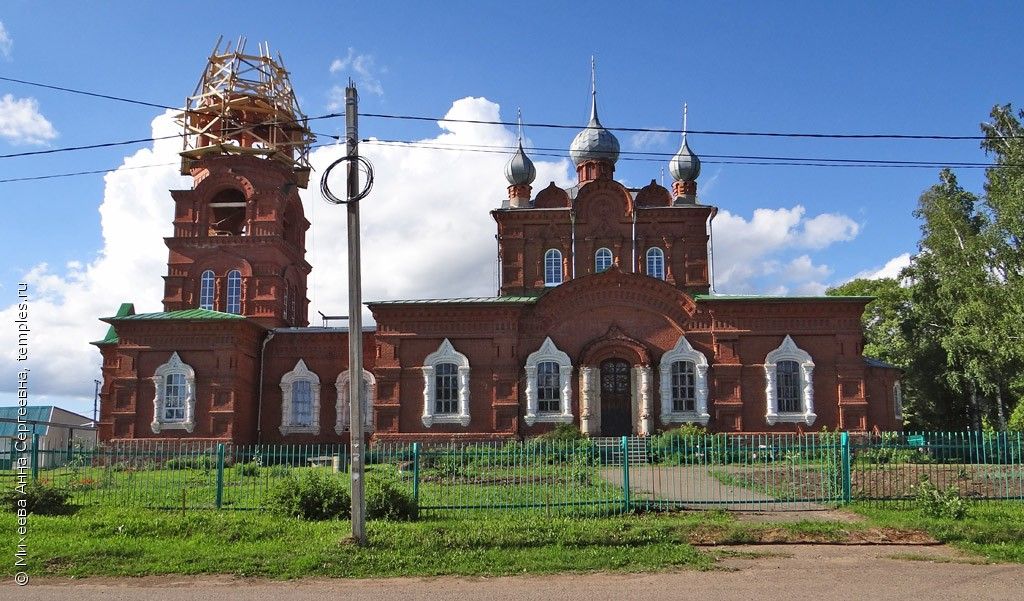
(874, 67)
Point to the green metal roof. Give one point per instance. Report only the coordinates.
(182, 314)
(127, 313)
(494, 300)
(757, 298)
(37, 413)
(124, 310)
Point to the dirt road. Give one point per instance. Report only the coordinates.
(785, 572)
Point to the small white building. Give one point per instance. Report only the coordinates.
(59, 431)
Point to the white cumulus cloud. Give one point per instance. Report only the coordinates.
(745, 249)
(65, 303)
(22, 123)
(891, 269)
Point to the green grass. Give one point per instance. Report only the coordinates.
(993, 529)
(122, 542)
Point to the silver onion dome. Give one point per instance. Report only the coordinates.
(520, 170)
(595, 142)
(685, 165)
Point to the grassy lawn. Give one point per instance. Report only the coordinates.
(993, 529)
(136, 542)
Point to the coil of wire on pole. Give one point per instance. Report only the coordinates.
(366, 168)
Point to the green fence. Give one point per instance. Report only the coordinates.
(592, 476)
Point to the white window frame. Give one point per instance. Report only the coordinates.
(548, 282)
(789, 351)
(300, 372)
(234, 276)
(897, 400)
(445, 353)
(174, 365)
(654, 250)
(343, 406)
(683, 351)
(597, 259)
(208, 287)
(549, 352)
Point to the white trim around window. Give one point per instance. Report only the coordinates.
(789, 351)
(684, 353)
(299, 379)
(549, 356)
(447, 356)
(343, 408)
(174, 404)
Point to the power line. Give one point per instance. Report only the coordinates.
(707, 132)
(538, 150)
(779, 161)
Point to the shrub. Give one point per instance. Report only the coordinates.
(313, 496)
(386, 498)
(938, 503)
(280, 471)
(40, 499)
(562, 432)
(247, 470)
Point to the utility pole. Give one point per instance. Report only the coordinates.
(355, 316)
(95, 403)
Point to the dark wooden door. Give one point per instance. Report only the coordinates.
(616, 410)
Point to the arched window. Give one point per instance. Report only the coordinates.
(343, 406)
(897, 401)
(446, 387)
(553, 267)
(789, 372)
(602, 260)
(300, 401)
(684, 384)
(287, 313)
(548, 385)
(234, 291)
(656, 263)
(206, 286)
(175, 401)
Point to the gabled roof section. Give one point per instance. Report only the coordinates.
(182, 314)
(124, 310)
(127, 313)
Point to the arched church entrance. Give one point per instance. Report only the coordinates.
(616, 398)
(616, 387)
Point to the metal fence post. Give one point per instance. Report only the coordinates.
(220, 475)
(416, 472)
(35, 457)
(844, 442)
(627, 504)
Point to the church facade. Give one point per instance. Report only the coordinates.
(604, 318)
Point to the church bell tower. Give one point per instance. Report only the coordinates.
(239, 234)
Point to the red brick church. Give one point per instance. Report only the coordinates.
(604, 317)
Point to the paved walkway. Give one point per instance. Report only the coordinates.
(787, 573)
(694, 488)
